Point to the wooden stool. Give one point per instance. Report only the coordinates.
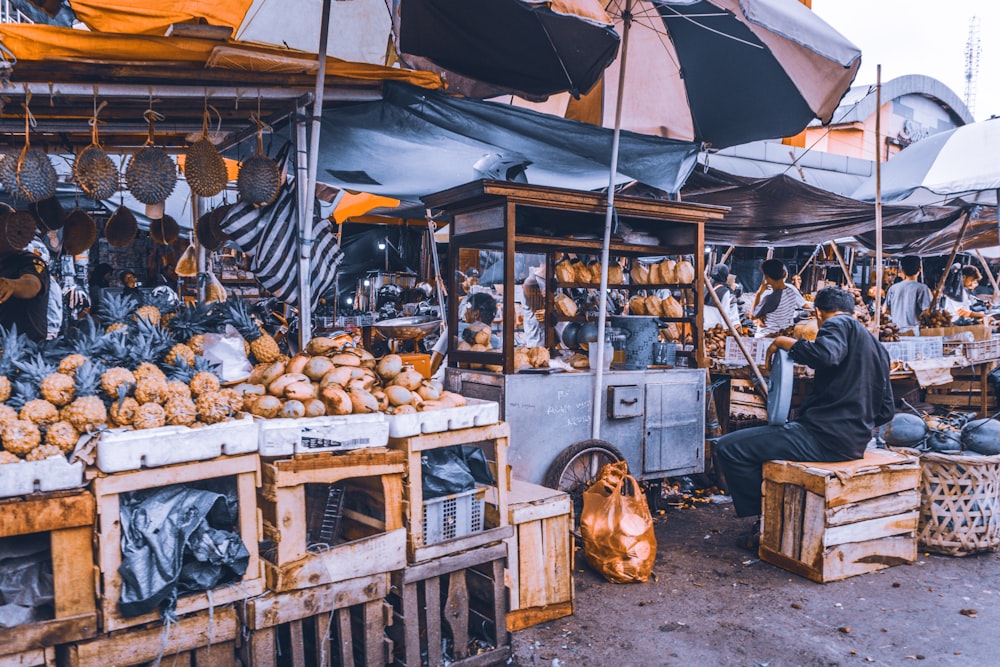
(830, 521)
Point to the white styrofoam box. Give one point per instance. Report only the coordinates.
(52, 474)
(914, 348)
(284, 437)
(475, 413)
(757, 347)
(119, 450)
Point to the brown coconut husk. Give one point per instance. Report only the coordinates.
(164, 231)
(79, 232)
(50, 214)
(122, 228)
(18, 227)
(210, 236)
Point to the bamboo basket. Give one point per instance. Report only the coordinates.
(959, 503)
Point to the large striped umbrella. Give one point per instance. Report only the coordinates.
(957, 163)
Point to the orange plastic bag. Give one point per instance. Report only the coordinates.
(617, 528)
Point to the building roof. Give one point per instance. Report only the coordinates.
(858, 105)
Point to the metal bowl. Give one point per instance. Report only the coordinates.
(407, 328)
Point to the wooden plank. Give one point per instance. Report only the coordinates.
(497, 656)
(771, 519)
(540, 509)
(791, 529)
(792, 565)
(332, 475)
(414, 505)
(32, 658)
(499, 605)
(813, 527)
(872, 529)
(146, 644)
(359, 558)
(453, 562)
(216, 655)
(374, 635)
(277, 608)
(322, 622)
(392, 496)
(298, 644)
(532, 560)
(23, 516)
(519, 619)
(411, 625)
(456, 612)
(463, 436)
(72, 551)
(368, 456)
(36, 636)
(291, 521)
(882, 506)
(559, 559)
(848, 560)
(441, 549)
(223, 466)
(263, 648)
(346, 643)
(871, 486)
(432, 619)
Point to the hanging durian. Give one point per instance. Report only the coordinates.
(36, 177)
(8, 177)
(151, 174)
(79, 232)
(187, 265)
(164, 231)
(122, 228)
(259, 179)
(93, 170)
(204, 168)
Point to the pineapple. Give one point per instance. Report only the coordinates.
(147, 370)
(42, 452)
(87, 412)
(178, 389)
(191, 323)
(122, 411)
(115, 311)
(151, 314)
(56, 388)
(149, 415)
(20, 437)
(115, 378)
(200, 377)
(180, 411)
(69, 364)
(7, 414)
(234, 398)
(213, 407)
(39, 412)
(180, 354)
(262, 344)
(63, 435)
(7, 457)
(4, 388)
(204, 382)
(13, 348)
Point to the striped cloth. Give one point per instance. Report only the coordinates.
(269, 235)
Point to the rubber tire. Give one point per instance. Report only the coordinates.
(554, 475)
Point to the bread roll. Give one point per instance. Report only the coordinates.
(653, 305)
(637, 305)
(565, 306)
(565, 272)
(639, 273)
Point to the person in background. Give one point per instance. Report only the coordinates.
(961, 307)
(775, 302)
(719, 283)
(906, 299)
(54, 314)
(24, 289)
(130, 286)
(851, 395)
(481, 307)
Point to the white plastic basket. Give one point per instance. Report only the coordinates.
(757, 347)
(914, 348)
(453, 516)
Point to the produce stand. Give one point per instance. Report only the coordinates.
(653, 417)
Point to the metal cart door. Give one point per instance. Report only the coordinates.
(675, 425)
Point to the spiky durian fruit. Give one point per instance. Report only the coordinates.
(204, 168)
(151, 175)
(164, 231)
(149, 415)
(36, 177)
(63, 435)
(8, 176)
(259, 180)
(96, 173)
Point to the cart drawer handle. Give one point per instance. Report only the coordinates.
(631, 401)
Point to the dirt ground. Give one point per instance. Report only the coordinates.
(715, 603)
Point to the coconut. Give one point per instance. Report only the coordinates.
(79, 232)
(49, 213)
(165, 230)
(121, 228)
(18, 228)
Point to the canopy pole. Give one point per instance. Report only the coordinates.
(989, 274)
(602, 293)
(306, 219)
(197, 206)
(761, 383)
(951, 258)
(727, 254)
(438, 280)
(843, 266)
(878, 197)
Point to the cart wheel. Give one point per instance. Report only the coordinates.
(577, 466)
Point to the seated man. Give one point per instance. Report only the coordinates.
(851, 395)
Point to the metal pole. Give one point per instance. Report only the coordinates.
(438, 280)
(306, 220)
(197, 206)
(602, 294)
(878, 196)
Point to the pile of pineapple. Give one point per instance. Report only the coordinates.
(140, 368)
(334, 377)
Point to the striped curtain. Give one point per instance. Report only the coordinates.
(270, 236)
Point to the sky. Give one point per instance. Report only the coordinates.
(922, 37)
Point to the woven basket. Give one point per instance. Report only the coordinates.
(959, 503)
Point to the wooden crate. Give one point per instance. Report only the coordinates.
(68, 518)
(830, 521)
(107, 490)
(459, 600)
(340, 624)
(540, 555)
(969, 392)
(204, 639)
(496, 522)
(39, 657)
(376, 539)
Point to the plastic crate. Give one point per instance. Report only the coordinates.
(913, 348)
(757, 347)
(981, 350)
(453, 516)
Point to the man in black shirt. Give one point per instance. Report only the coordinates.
(24, 287)
(851, 395)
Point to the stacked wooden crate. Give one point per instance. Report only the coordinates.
(450, 602)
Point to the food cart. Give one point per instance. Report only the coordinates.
(653, 416)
